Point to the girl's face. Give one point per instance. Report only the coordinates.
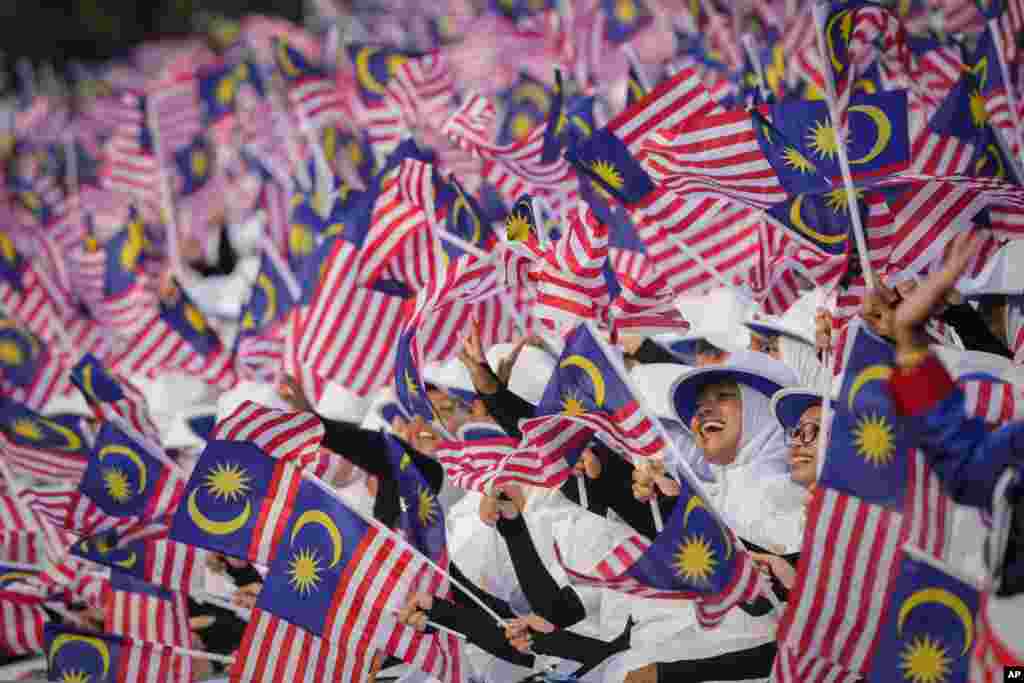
(803, 447)
(718, 422)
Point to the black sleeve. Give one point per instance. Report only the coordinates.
(762, 606)
(973, 331)
(558, 604)
(652, 352)
(227, 259)
(479, 627)
(614, 488)
(508, 409)
(243, 576)
(570, 489)
(365, 449)
(755, 662)
(499, 606)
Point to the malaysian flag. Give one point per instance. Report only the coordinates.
(129, 476)
(994, 401)
(873, 495)
(43, 447)
(21, 626)
(145, 554)
(473, 464)
(136, 609)
(86, 656)
(930, 618)
(697, 557)
(336, 578)
(313, 94)
(589, 387)
(129, 163)
(29, 372)
(112, 397)
(241, 489)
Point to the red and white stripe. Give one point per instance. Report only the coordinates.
(349, 333)
(718, 154)
(21, 546)
(995, 402)
(146, 617)
(724, 233)
(274, 650)
(928, 515)
(745, 584)
(127, 166)
(319, 102)
(470, 465)
(791, 667)
(287, 436)
(851, 552)
(177, 113)
(172, 565)
(570, 280)
(143, 662)
(379, 575)
(680, 99)
(21, 627)
(423, 89)
(42, 463)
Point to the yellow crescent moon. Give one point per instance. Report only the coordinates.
(15, 576)
(847, 20)
(459, 205)
(321, 518)
(698, 502)
(865, 85)
(872, 373)
(939, 596)
(993, 153)
(97, 644)
(131, 455)
(588, 367)
(884, 126)
(217, 528)
(7, 249)
(270, 310)
(284, 61)
(531, 92)
(72, 441)
(7, 323)
(797, 219)
(582, 124)
(363, 71)
(87, 381)
(129, 563)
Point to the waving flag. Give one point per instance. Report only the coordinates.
(931, 622)
(74, 655)
(696, 557)
(238, 497)
(136, 609)
(328, 579)
(146, 555)
(194, 163)
(129, 476)
(528, 104)
(588, 387)
(873, 495)
(111, 397)
(29, 373)
(46, 447)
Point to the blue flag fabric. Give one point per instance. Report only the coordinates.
(12, 265)
(409, 387)
(527, 105)
(823, 220)
(221, 505)
(320, 541)
(125, 251)
(185, 318)
(95, 383)
(931, 626)
(270, 299)
(25, 427)
(374, 67)
(585, 380)
(867, 453)
(194, 162)
(124, 478)
(624, 19)
(608, 161)
(74, 655)
(695, 553)
(422, 518)
(22, 354)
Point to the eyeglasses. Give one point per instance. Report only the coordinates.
(804, 433)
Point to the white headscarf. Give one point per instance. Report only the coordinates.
(802, 359)
(754, 492)
(1015, 327)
